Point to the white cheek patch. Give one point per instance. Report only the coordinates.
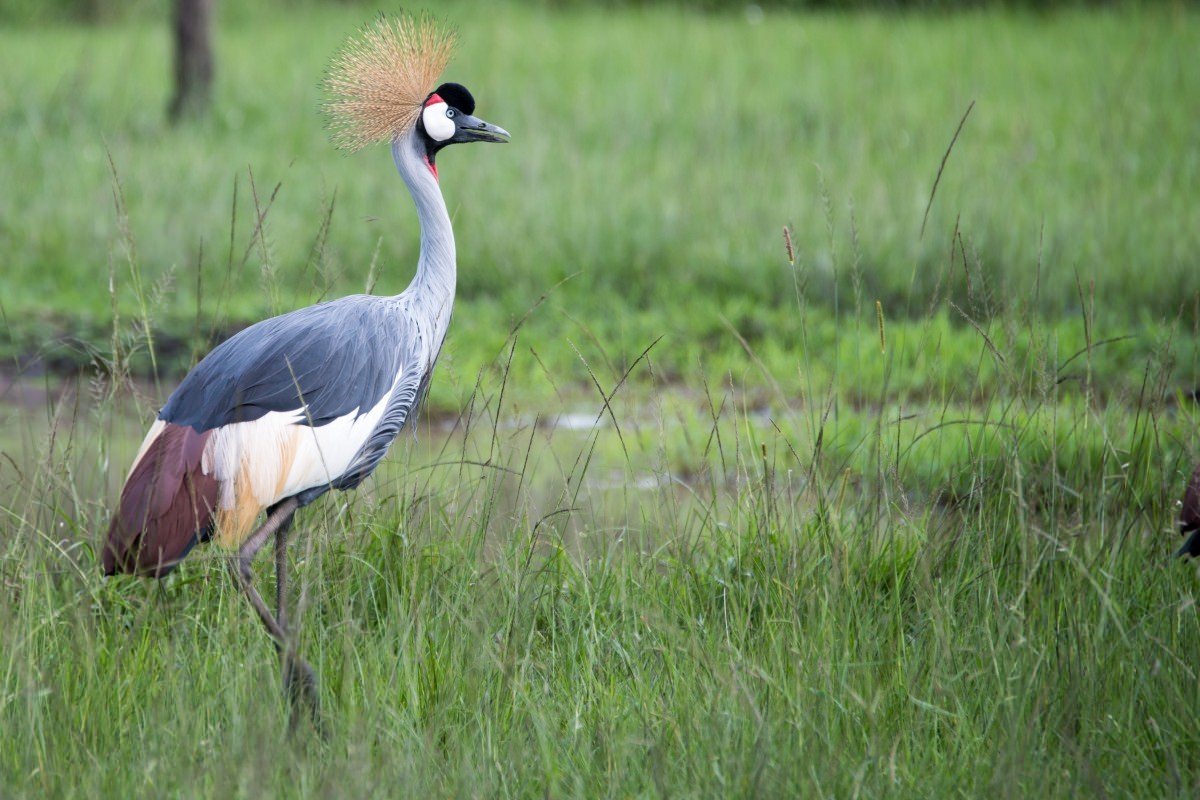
(437, 124)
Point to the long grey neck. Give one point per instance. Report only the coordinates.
(433, 286)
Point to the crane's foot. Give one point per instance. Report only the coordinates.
(300, 686)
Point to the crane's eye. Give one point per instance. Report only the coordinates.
(437, 121)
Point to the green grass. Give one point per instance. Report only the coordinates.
(708, 604)
(789, 552)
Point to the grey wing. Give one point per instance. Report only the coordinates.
(333, 359)
(410, 388)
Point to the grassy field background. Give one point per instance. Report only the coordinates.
(686, 517)
(657, 155)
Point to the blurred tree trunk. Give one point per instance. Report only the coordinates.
(192, 21)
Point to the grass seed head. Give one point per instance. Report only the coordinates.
(879, 320)
(379, 78)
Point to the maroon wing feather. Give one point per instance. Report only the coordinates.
(166, 504)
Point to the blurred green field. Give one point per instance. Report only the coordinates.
(657, 155)
(682, 518)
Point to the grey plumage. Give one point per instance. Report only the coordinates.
(334, 358)
(406, 397)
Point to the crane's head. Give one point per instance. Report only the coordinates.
(381, 86)
(446, 119)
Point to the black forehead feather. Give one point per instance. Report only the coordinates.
(457, 96)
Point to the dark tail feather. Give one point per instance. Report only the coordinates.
(166, 505)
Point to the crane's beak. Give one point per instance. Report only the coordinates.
(473, 129)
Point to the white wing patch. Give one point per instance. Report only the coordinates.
(261, 462)
(284, 455)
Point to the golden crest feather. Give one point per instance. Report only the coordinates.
(380, 77)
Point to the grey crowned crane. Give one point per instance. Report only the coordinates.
(309, 401)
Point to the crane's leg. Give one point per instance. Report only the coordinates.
(299, 680)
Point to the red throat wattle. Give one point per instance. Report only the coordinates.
(433, 99)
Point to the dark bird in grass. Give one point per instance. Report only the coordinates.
(309, 401)
(1189, 517)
